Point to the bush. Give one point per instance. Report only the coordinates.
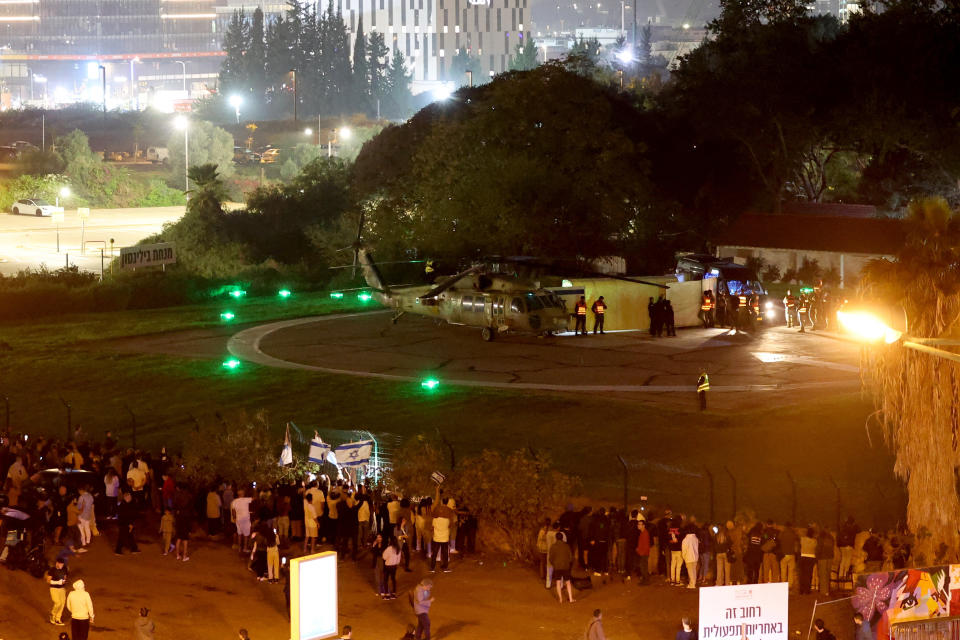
(160, 195)
(512, 493)
(27, 186)
(771, 274)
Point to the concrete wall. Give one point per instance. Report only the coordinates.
(848, 265)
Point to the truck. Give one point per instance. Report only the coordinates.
(158, 155)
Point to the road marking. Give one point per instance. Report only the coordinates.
(245, 345)
(768, 358)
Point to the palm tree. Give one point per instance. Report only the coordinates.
(916, 395)
(208, 192)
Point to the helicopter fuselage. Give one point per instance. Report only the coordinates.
(508, 310)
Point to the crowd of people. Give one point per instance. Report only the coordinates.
(69, 494)
(690, 553)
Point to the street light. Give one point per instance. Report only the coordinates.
(868, 327)
(235, 102)
(184, 70)
(335, 136)
(64, 193)
(308, 131)
(103, 90)
(133, 83)
(181, 122)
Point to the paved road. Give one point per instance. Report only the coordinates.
(29, 241)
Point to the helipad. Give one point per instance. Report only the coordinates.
(368, 345)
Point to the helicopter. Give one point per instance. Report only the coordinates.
(483, 296)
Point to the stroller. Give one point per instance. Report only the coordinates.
(23, 542)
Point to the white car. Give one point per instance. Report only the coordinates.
(34, 207)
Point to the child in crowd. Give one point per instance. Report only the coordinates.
(167, 526)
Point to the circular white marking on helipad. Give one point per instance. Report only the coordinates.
(246, 346)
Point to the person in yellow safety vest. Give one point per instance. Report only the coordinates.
(599, 308)
(703, 385)
(580, 313)
(789, 308)
(706, 309)
(803, 311)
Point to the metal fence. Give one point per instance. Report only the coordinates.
(943, 629)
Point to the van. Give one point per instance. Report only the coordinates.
(158, 155)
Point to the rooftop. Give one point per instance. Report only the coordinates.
(818, 232)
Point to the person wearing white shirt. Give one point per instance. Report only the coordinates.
(81, 611)
(240, 511)
(690, 551)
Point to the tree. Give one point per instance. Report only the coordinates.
(463, 61)
(377, 66)
(463, 178)
(205, 245)
(917, 395)
(525, 55)
(361, 82)
(255, 60)
(646, 45)
(208, 144)
(397, 90)
(236, 42)
(280, 39)
(511, 493)
(213, 451)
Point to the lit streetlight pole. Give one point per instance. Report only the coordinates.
(184, 72)
(296, 100)
(870, 328)
(133, 84)
(103, 88)
(235, 102)
(64, 193)
(181, 122)
(343, 133)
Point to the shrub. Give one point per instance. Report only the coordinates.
(160, 195)
(771, 273)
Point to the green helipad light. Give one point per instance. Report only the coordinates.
(238, 293)
(336, 294)
(231, 364)
(430, 384)
(364, 297)
(284, 293)
(227, 316)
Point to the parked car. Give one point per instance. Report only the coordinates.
(23, 145)
(73, 479)
(34, 206)
(158, 155)
(269, 156)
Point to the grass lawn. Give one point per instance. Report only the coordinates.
(770, 457)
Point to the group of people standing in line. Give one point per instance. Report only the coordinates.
(690, 553)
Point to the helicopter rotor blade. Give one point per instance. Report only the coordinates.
(433, 293)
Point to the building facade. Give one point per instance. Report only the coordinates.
(430, 32)
(61, 45)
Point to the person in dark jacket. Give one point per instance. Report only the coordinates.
(632, 531)
(668, 318)
(599, 541)
(824, 560)
(753, 557)
(560, 558)
(822, 632)
(126, 518)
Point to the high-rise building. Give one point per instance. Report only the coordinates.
(74, 45)
(430, 32)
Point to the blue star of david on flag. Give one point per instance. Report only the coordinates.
(354, 454)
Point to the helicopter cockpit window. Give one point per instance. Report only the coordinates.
(549, 301)
(533, 302)
(516, 305)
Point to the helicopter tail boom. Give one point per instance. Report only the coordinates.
(373, 278)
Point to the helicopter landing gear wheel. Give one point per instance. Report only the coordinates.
(487, 334)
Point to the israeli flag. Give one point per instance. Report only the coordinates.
(354, 454)
(318, 451)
